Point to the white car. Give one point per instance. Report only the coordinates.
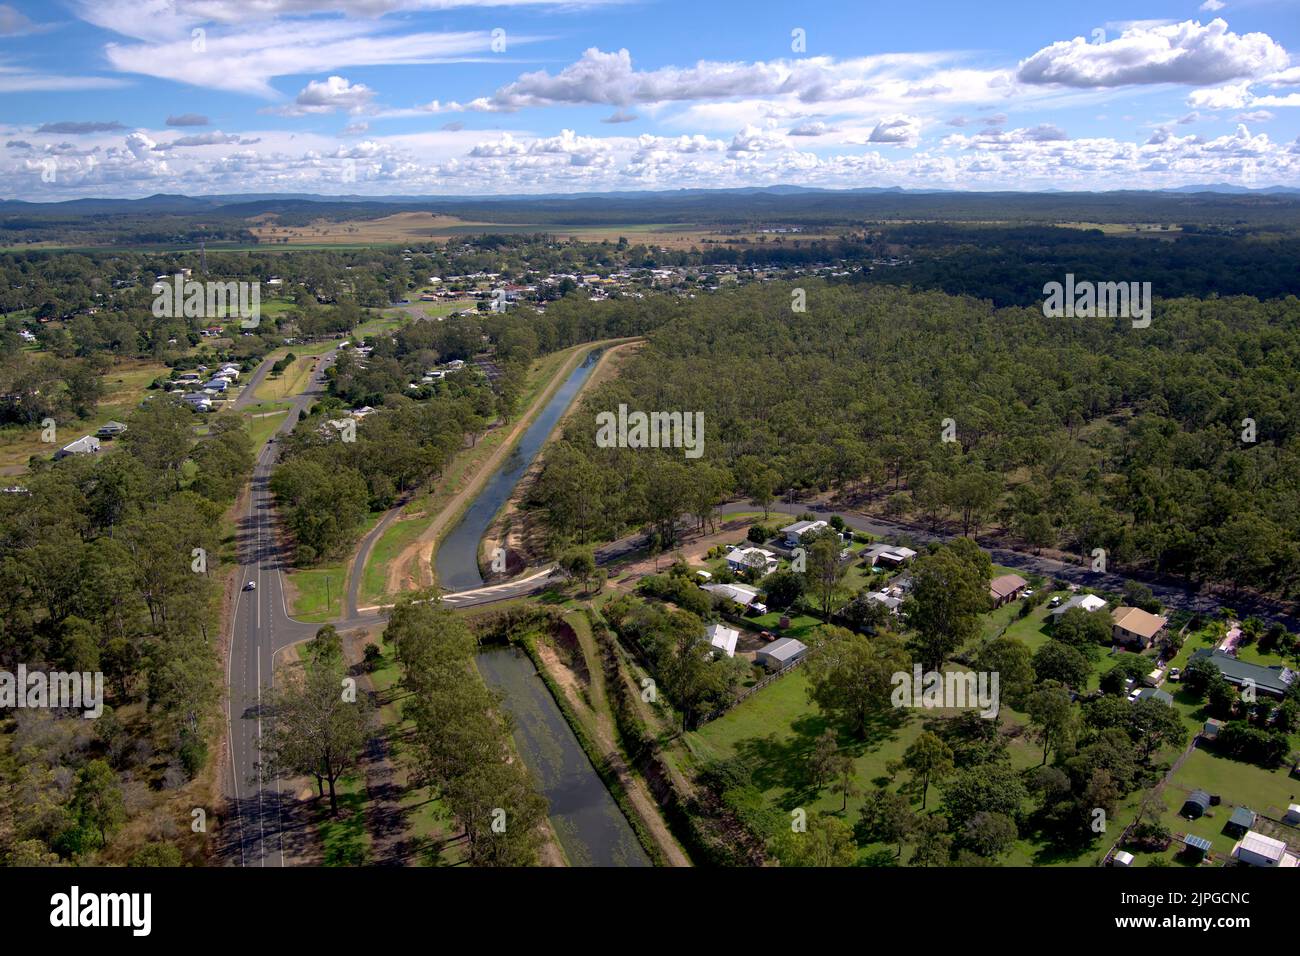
(250, 586)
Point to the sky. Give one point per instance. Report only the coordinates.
(128, 98)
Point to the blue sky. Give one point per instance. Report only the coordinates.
(418, 97)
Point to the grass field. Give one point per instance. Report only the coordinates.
(125, 386)
(263, 426)
(318, 591)
(288, 383)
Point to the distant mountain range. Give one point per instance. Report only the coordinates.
(181, 204)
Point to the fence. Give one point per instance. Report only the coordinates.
(714, 715)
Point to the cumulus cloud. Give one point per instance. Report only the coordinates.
(1188, 53)
(1230, 97)
(900, 130)
(331, 95)
(609, 78)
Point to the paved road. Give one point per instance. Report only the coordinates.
(261, 625)
(265, 819)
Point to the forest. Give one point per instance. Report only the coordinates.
(112, 564)
(1173, 448)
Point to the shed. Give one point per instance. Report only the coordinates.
(1292, 814)
(1197, 802)
(1197, 845)
(1211, 729)
(781, 653)
(1255, 849)
(1121, 858)
(1242, 819)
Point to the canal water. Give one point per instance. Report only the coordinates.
(457, 558)
(588, 823)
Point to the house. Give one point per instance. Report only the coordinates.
(26, 336)
(1274, 681)
(362, 412)
(781, 653)
(889, 555)
(756, 559)
(738, 593)
(1255, 849)
(722, 637)
(1085, 602)
(111, 429)
(892, 601)
(85, 445)
(1150, 693)
(794, 532)
(1194, 807)
(1242, 820)
(1132, 625)
(1006, 588)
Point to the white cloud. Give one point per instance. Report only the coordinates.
(1231, 97)
(246, 62)
(1186, 53)
(331, 95)
(900, 130)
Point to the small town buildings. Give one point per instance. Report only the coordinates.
(1006, 588)
(890, 600)
(794, 532)
(1136, 627)
(1274, 681)
(1242, 820)
(722, 638)
(781, 653)
(1085, 602)
(888, 555)
(85, 445)
(1256, 849)
(1194, 807)
(752, 559)
(1151, 693)
(737, 593)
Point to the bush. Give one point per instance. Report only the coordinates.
(372, 656)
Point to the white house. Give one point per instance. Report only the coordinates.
(1085, 602)
(85, 445)
(794, 532)
(722, 637)
(738, 593)
(758, 559)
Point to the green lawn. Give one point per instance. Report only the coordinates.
(263, 426)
